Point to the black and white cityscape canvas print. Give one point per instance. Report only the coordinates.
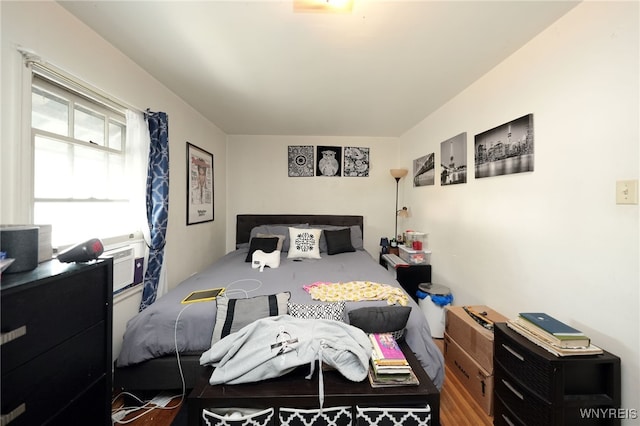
(424, 170)
(329, 161)
(356, 161)
(453, 160)
(505, 149)
(300, 160)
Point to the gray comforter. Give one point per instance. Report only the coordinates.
(168, 324)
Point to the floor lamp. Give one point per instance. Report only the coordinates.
(397, 175)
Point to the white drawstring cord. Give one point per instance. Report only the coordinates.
(320, 376)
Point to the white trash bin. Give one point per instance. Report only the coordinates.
(434, 313)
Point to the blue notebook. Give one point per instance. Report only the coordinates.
(550, 324)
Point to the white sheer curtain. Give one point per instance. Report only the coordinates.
(138, 143)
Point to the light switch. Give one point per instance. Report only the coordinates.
(627, 191)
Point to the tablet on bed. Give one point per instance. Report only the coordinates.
(203, 295)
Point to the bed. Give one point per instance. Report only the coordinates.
(148, 358)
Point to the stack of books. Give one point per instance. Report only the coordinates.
(389, 367)
(553, 335)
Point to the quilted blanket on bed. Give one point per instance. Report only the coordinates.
(357, 291)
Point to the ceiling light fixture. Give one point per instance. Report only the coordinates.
(323, 6)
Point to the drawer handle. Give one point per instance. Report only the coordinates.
(13, 335)
(512, 389)
(513, 352)
(5, 419)
(506, 419)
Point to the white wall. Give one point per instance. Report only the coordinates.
(259, 183)
(62, 40)
(551, 240)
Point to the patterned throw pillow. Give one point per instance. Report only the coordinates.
(331, 311)
(304, 243)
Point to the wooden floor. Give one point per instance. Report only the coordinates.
(457, 408)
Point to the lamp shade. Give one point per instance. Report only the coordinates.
(398, 173)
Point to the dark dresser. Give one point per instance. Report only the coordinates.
(535, 387)
(56, 344)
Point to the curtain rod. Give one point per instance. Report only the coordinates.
(40, 66)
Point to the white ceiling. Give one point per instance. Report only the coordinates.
(257, 68)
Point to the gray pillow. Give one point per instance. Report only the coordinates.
(233, 314)
(381, 319)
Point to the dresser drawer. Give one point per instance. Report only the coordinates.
(524, 365)
(48, 383)
(86, 410)
(42, 316)
(502, 416)
(528, 408)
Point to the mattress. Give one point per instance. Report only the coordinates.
(168, 325)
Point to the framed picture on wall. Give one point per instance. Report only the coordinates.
(356, 161)
(199, 185)
(300, 160)
(329, 161)
(424, 170)
(453, 160)
(505, 149)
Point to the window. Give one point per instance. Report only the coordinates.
(79, 143)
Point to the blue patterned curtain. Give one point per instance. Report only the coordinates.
(157, 202)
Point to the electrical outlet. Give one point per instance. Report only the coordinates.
(627, 191)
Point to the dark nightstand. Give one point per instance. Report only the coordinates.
(408, 275)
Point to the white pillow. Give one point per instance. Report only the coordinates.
(304, 243)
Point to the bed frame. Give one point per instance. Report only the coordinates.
(246, 222)
(163, 373)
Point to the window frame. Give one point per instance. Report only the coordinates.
(78, 97)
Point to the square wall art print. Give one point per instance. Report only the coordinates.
(329, 161)
(300, 160)
(356, 161)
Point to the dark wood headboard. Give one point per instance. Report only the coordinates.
(246, 222)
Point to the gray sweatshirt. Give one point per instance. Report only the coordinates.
(273, 346)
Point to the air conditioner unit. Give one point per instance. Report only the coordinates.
(123, 266)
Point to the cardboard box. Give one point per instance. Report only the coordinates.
(474, 339)
(475, 379)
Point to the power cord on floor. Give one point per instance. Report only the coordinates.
(119, 414)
